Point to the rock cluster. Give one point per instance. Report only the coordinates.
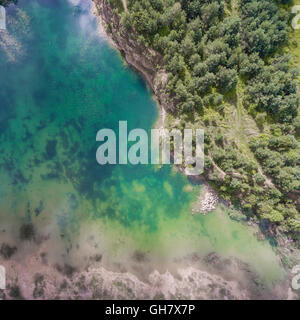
(207, 201)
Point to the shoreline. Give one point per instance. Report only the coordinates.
(208, 200)
(161, 117)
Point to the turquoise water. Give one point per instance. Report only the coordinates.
(60, 82)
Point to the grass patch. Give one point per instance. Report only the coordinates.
(117, 4)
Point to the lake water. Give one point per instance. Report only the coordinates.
(61, 82)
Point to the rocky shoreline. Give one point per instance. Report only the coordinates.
(206, 202)
(137, 56)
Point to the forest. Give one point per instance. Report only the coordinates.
(228, 60)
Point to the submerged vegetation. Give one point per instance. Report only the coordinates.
(229, 71)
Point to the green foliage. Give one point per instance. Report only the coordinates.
(264, 27)
(198, 56)
(117, 4)
(274, 90)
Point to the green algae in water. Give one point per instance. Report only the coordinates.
(59, 85)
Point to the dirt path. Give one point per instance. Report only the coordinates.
(125, 5)
(241, 135)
